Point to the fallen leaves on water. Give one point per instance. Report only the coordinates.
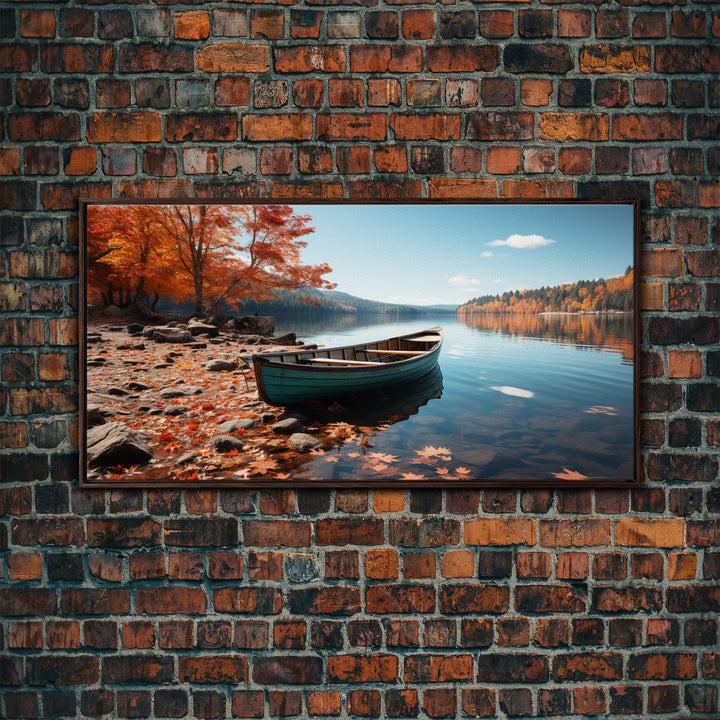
(569, 475)
(262, 467)
(601, 410)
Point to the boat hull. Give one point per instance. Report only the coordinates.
(280, 383)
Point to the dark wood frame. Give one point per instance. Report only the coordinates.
(263, 482)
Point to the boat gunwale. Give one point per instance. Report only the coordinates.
(269, 359)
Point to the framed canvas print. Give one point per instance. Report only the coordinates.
(365, 344)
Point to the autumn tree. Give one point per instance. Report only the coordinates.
(211, 254)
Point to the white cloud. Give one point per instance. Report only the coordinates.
(513, 391)
(523, 242)
(486, 253)
(463, 280)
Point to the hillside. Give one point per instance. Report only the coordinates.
(324, 302)
(614, 294)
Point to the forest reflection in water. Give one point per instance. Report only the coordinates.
(607, 331)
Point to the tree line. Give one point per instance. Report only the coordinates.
(611, 295)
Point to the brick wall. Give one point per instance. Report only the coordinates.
(386, 604)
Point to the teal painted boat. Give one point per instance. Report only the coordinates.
(295, 376)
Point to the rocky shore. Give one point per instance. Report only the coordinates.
(176, 402)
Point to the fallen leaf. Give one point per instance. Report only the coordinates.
(569, 475)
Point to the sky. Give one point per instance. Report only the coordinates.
(427, 254)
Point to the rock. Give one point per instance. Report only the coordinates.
(197, 345)
(171, 335)
(113, 311)
(221, 364)
(254, 325)
(139, 346)
(135, 328)
(302, 442)
(116, 444)
(173, 410)
(231, 426)
(117, 391)
(95, 416)
(201, 328)
(223, 443)
(148, 331)
(288, 426)
(186, 458)
(171, 393)
(93, 338)
(288, 339)
(135, 385)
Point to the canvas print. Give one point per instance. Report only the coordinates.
(358, 344)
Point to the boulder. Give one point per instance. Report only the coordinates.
(135, 328)
(116, 444)
(224, 443)
(288, 426)
(288, 339)
(221, 364)
(95, 415)
(254, 325)
(302, 442)
(113, 311)
(187, 458)
(231, 426)
(171, 335)
(200, 328)
(174, 410)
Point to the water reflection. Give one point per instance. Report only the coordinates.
(386, 406)
(608, 332)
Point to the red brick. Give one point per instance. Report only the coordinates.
(43, 126)
(615, 59)
(351, 127)
(170, 600)
(95, 601)
(124, 127)
(232, 91)
(383, 92)
(192, 25)
(293, 126)
(233, 58)
(276, 533)
(288, 669)
(440, 702)
(438, 668)
(324, 703)
(496, 531)
(648, 532)
(248, 703)
(267, 24)
(462, 58)
(213, 669)
(252, 600)
(353, 160)
(574, 533)
(496, 23)
(364, 703)
(418, 24)
(310, 59)
(391, 159)
(399, 599)
(308, 93)
(574, 23)
(478, 702)
(461, 599)
(37, 23)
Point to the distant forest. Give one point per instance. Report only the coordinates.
(613, 295)
(310, 302)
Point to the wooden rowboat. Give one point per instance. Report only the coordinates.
(296, 376)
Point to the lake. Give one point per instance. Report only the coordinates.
(517, 397)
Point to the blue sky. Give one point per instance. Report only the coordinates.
(429, 254)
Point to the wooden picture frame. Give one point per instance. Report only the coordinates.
(486, 343)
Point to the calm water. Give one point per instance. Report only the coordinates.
(515, 398)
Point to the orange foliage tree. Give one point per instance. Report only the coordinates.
(210, 254)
